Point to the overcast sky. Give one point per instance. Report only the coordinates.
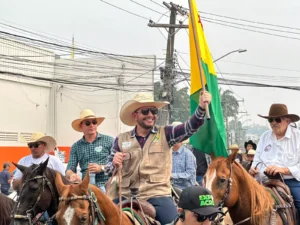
(104, 27)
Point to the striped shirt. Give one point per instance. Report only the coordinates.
(83, 152)
(174, 134)
(183, 168)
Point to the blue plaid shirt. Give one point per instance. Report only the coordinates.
(183, 168)
(83, 152)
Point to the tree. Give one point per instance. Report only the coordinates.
(230, 104)
(181, 105)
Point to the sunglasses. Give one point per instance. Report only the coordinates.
(146, 111)
(201, 218)
(88, 123)
(277, 120)
(34, 145)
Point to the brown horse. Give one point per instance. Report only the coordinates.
(6, 206)
(75, 207)
(248, 202)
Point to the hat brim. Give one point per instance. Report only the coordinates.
(293, 117)
(129, 107)
(50, 143)
(206, 211)
(76, 123)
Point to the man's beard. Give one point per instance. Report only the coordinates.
(143, 125)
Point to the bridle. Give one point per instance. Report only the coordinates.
(227, 192)
(29, 212)
(95, 211)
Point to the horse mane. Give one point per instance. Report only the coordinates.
(261, 200)
(6, 207)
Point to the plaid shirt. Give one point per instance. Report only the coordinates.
(83, 152)
(174, 134)
(183, 168)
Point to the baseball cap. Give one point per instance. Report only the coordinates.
(199, 200)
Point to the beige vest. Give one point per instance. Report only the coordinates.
(148, 169)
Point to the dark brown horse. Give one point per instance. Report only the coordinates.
(75, 205)
(37, 194)
(248, 202)
(6, 206)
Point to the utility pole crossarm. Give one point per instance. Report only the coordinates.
(161, 25)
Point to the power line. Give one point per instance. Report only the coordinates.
(146, 7)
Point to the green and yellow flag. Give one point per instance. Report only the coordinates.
(212, 135)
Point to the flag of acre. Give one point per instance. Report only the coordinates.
(212, 135)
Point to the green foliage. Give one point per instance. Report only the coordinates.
(230, 104)
(181, 103)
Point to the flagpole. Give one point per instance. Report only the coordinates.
(198, 56)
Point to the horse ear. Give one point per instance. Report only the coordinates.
(59, 183)
(20, 167)
(212, 155)
(231, 158)
(85, 183)
(43, 166)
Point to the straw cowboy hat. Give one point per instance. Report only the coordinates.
(40, 137)
(84, 115)
(140, 100)
(234, 147)
(250, 142)
(280, 110)
(175, 123)
(251, 152)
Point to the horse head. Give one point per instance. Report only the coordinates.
(71, 211)
(37, 194)
(234, 188)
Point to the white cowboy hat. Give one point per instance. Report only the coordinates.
(175, 123)
(40, 137)
(234, 147)
(140, 100)
(84, 115)
(251, 152)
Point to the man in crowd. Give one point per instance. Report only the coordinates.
(183, 165)
(5, 179)
(40, 145)
(247, 163)
(91, 151)
(196, 207)
(278, 150)
(144, 154)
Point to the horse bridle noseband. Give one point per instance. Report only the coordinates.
(95, 210)
(28, 215)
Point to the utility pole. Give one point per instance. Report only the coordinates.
(168, 72)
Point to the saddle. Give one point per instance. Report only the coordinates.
(284, 203)
(137, 217)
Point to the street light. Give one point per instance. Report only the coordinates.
(238, 50)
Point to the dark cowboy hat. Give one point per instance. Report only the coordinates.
(280, 110)
(250, 142)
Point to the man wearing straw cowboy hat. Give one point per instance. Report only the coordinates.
(144, 154)
(91, 151)
(183, 164)
(278, 150)
(40, 145)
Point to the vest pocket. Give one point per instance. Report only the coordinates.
(157, 178)
(156, 155)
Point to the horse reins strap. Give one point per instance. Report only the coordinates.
(243, 221)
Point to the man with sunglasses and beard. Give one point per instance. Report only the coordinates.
(196, 207)
(144, 154)
(278, 151)
(91, 151)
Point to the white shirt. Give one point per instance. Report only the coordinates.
(284, 152)
(53, 163)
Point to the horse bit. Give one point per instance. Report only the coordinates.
(28, 215)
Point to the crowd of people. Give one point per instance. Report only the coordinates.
(152, 158)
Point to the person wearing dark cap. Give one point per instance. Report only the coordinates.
(196, 207)
(249, 145)
(5, 179)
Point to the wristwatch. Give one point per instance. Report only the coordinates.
(102, 168)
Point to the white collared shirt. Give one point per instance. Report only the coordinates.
(284, 152)
(53, 163)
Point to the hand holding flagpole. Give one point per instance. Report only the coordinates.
(198, 50)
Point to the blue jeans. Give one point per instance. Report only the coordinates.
(294, 186)
(102, 188)
(199, 180)
(166, 211)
